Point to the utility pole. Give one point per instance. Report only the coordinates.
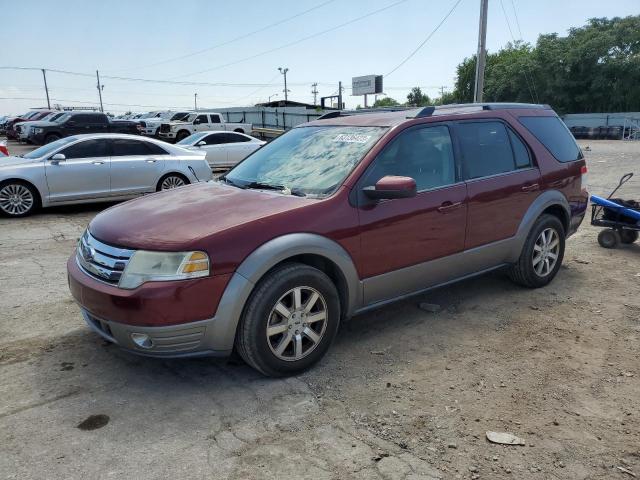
(100, 87)
(315, 92)
(195, 101)
(284, 71)
(340, 95)
(481, 57)
(46, 89)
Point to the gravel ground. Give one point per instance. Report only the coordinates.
(403, 394)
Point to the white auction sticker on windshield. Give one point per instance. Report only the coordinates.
(352, 138)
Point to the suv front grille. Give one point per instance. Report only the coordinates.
(102, 261)
(165, 127)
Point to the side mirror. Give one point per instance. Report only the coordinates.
(57, 158)
(201, 143)
(390, 187)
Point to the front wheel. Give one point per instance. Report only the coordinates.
(181, 135)
(289, 321)
(541, 255)
(52, 138)
(17, 199)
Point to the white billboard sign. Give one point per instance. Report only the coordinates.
(369, 84)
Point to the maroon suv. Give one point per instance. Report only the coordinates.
(334, 218)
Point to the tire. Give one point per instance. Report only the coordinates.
(537, 266)
(52, 137)
(181, 135)
(609, 238)
(628, 236)
(18, 199)
(171, 181)
(273, 302)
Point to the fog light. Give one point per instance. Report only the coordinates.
(142, 340)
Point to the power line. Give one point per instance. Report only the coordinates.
(240, 37)
(295, 42)
(425, 40)
(533, 83)
(526, 77)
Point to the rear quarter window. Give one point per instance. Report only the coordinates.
(555, 136)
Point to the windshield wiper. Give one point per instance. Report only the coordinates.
(268, 186)
(224, 179)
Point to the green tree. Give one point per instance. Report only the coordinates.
(386, 102)
(595, 68)
(416, 98)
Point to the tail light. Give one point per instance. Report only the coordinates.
(585, 177)
(4, 150)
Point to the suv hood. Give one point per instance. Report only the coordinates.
(179, 219)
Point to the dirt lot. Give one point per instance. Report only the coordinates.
(403, 394)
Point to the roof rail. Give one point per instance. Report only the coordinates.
(362, 111)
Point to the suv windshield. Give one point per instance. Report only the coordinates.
(49, 147)
(179, 116)
(306, 160)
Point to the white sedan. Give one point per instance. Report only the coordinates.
(223, 149)
(93, 168)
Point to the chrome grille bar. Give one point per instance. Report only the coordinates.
(102, 261)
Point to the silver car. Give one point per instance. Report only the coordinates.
(223, 149)
(93, 168)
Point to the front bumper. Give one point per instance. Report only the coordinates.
(171, 135)
(182, 318)
(36, 139)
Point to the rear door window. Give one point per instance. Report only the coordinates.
(520, 150)
(555, 136)
(486, 149)
(215, 118)
(216, 139)
(122, 147)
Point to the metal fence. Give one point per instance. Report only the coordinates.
(610, 126)
(271, 117)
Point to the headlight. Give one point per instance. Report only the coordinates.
(36, 130)
(163, 266)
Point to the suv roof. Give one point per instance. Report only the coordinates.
(388, 117)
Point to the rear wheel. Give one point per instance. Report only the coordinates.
(609, 238)
(17, 199)
(541, 255)
(289, 321)
(628, 236)
(171, 181)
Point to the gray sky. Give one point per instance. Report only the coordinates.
(144, 38)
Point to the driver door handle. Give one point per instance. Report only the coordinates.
(530, 188)
(448, 206)
(98, 162)
(152, 160)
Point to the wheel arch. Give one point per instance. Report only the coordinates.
(39, 196)
(551, 202)
(311, 249)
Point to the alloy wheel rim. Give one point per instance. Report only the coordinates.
(16, 199)
(297, 323)
(546, 251)
(172, 182)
